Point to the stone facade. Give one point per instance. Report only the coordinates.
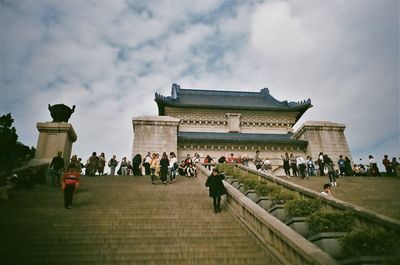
(54, 137)
(245, 121)
(154, 134)
(218, 123)
(324, 136)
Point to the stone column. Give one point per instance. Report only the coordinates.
(155, 134)
(324, 136)
(54, 137)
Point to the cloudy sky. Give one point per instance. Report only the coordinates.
(109, 58)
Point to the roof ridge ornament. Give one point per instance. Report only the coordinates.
(175, 91)
(264, 90)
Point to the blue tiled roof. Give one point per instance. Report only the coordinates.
(216, 99)
(238, 137)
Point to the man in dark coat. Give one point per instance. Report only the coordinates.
(216, 188)
(57, 166)
(137, 159)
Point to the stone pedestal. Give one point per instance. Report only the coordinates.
(324, 136)
(54, 137)
(155, 134)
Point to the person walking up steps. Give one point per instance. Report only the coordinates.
(216, 189)
(70, 182)
(331, 170)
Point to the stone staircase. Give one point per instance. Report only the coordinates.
(123, 220)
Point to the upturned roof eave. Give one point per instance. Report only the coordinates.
(237, 138)
(296, 142)
(162, 104)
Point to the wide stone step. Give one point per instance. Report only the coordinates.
(154, 261)
(138, 243)
(121, 256)
(123, 220)
(37, 252)
(211, 240)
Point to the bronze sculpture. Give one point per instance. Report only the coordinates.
(61, 112)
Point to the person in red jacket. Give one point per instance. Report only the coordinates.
(70, 182)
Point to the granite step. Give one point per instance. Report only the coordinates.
(124, 220)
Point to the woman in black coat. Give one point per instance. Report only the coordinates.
(216, 188)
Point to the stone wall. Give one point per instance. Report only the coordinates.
(324, 136)
(154, 134)
(54, 137)
(216, 150)
(220, 120)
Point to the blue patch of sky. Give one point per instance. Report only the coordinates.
(54, 84)
(145, 69)
(123, 54)
(394, 137)
(139, 7)
(226, 9)
(51, 16)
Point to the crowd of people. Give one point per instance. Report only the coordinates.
(167, 166)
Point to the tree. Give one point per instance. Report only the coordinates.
(10, 148)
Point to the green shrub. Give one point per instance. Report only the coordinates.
(250, 183)
(330, 221)
(242, 176)
(282, 196)
(370, 243)
(238, 173)
(302, 207)
(224, 168)
(264, 189)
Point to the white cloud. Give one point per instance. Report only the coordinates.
(276, 32)
(110, 57)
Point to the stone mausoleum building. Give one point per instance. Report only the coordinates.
(217, 123)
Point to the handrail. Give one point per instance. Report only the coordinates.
(364, 217)
(285, 245)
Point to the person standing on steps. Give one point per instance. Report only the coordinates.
(216, 188)
(101, 164)
(331, 170)
(146, 163)
(164, 163)
(257, 160)
(286, 164)
(70, 182)
(124, 167)
(321, 164)
(113, 163)
(154, 167)
(173, 166)
(93, 164)
(293, 165)
(57, 166)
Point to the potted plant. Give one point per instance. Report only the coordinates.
(279, 198)
(327, 227)
(298, 210)
(370, 247)
(263, 191)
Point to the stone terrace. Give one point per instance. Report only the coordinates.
(123, 220)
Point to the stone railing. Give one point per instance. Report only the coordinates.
(363, 217)
(285, 245)
(35, 171)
